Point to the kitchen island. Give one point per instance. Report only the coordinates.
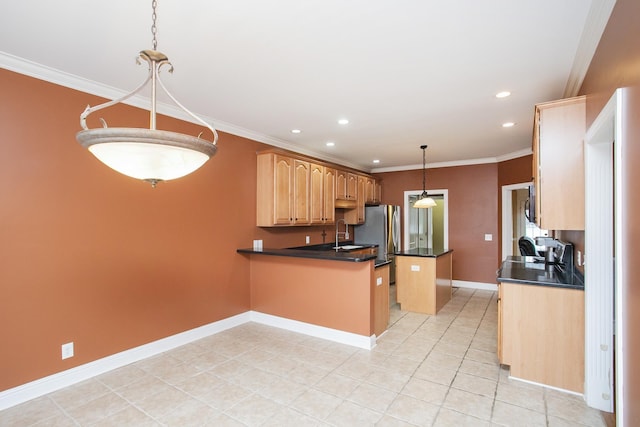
(541, 322)
(322, 292)
(423, 279)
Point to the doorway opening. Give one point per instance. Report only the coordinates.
(514, 219)
(426, 228)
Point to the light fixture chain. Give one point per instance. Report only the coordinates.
(154, 29)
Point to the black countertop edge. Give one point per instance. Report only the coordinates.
(331, 246)
(424, 252)
(330, 255)
(381, 262)
(542, 283)
(530, 271)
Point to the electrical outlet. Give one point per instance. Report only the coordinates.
(488, 237)
(67, 350)
(307, 240)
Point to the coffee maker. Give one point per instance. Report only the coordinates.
(557, 253)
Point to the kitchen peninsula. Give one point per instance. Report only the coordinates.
(423, 279)
(341, 295)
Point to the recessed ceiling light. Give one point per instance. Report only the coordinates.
(503, 94)
(376, 161)
(330, 144)
(295, 131)
(508, 124)
(343, 121)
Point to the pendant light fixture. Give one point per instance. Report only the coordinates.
(424, 202)
(148, 154)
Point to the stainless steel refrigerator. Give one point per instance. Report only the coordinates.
(382, 228)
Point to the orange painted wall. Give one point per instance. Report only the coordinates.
(326, 293)
(91, 256)
(473, 210)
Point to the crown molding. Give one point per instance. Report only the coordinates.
(55, 76)
(481, 161)
(52, 75)
(597, 19)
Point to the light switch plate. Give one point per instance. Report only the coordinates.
(67, 350)
(379, 281)
(488, 237)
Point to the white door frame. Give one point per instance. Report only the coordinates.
(407, 206)
(603, 273)
(507, 217)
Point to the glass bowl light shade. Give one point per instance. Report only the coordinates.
(147, 154)
(424, 201)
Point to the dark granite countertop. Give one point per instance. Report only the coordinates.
(424, 252)
(534, 271)
(325, 252)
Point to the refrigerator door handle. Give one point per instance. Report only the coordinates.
(396, 229)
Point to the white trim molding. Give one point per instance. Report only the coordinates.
(335, 335)
(48, 384)
(55, 76)
(40, 387)
(597, 19)
(603, 274)
(475, 285)
(482, 161)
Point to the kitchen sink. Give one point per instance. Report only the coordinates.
(331, 247)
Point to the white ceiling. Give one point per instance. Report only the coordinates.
(404, 72)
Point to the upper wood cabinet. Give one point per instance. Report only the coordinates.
(294, 190)
(373, 190)
(370, 190)
(558, 164)
(301, 192)
(346, 185)
(356, 216)
(329, 192)
(341, 185)
(352, 186)
(378, 191)
(283, 188)
(322, 194)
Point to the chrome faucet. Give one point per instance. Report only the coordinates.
(345, 233)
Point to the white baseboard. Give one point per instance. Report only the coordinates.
(51, 383)
(355, 340)
(548, 386)
(475, 285)
(31, 390)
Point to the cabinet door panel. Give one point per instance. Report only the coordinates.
(370, 190)
(283, 187)
(341, 185)
(316, 198)
(559, 156)
(301, 192)
(352, 186)
(329, 195)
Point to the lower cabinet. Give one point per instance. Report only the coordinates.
(541, 334)
(380, 299)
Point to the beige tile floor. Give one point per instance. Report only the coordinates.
(425, 371)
